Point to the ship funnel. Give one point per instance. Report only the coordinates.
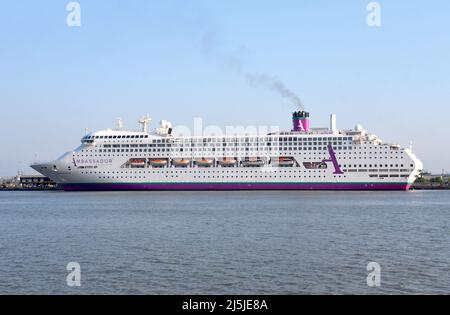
(300, 121)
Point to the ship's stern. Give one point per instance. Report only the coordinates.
(417, 167)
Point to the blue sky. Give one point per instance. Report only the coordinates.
(130, 58)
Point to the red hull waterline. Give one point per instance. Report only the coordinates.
(223, 186)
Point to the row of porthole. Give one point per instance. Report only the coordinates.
(240, 151)
(244, 148)
(158, 156)
(220, 177)
(207, 172)
(241, 146)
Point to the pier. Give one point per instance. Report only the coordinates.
(28, 182)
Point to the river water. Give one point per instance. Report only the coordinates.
(225, 242)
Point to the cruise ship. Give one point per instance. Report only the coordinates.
(304, 158)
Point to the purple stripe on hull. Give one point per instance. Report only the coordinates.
(272, 186)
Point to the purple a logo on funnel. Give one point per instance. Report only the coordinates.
(300, 121)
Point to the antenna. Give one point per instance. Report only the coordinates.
(145, 121)
(86, 131)
(119, 124)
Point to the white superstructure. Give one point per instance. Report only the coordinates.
(303, 158)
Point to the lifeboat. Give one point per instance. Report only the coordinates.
(284, 162)
(204, 162)
(181, 162)
(137, 162)
(315, 165)
(227, 162)
(253, 163)
(158, 162)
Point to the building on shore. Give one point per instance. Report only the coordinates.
(36, 182)
(432, 181)
(427, 177)
(27, 182)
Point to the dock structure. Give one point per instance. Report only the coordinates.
(36, 182)
(28, 182)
